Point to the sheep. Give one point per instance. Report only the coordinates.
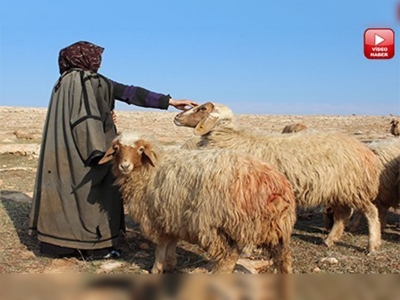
(294, 128)
(330, 169)
(23, 136)
(388, 154)
(221, 200)
(395, 128)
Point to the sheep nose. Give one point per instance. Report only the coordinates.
(125, 166)
(176, 120)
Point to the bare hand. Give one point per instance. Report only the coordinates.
(114, 117)
(183, 104)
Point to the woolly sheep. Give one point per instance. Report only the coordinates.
(294, 128)
(395, 128)
(388, 153)
(323, 168)
(221, 200)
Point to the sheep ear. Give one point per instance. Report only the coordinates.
(148, 156)
(109, 154)
(206, 125)
(209, 106)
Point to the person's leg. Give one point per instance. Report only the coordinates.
(57, 251)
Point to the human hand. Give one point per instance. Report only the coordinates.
(183, 104)
(114, 117)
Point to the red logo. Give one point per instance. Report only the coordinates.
(379, 43)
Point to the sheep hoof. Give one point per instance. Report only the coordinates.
(328, 243)
(156, 270)
(372, 249)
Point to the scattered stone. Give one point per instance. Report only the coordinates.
(251, 266)
(329, 260)
(358, 133)
(109, 266)
(317, 270)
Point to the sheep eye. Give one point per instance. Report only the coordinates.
(204, 108)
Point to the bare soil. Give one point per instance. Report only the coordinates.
(20, 135)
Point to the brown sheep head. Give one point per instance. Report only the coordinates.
(129, 155)
(204, 118)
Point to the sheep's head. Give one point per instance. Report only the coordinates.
(204, 118)
(128, 154)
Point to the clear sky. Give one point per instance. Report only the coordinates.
(266, 57)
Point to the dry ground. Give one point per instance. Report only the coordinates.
(20, 134)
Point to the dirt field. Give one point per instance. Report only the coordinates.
(20, 134)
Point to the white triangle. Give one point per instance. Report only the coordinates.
(378, 39)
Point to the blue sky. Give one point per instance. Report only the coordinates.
(264, 57)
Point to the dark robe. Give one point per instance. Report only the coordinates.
(75, 203)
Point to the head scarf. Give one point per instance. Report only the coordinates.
(82, 55)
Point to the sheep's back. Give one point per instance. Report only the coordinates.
(322, 167)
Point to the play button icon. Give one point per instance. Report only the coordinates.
(378, 39)
(379, 43)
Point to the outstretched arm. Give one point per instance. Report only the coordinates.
(139, 96)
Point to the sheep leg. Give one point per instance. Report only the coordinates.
(282, 258)
(383, 211)
(374, 226)
(225, 251)
(341, 215)
(226, 264)
(328, 217)
(170, 259)
(160, 257)
(355, 222)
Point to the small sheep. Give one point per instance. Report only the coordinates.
(395, 128)
(23, 136)
(221, 200)
(329, 169)
(294, 128)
